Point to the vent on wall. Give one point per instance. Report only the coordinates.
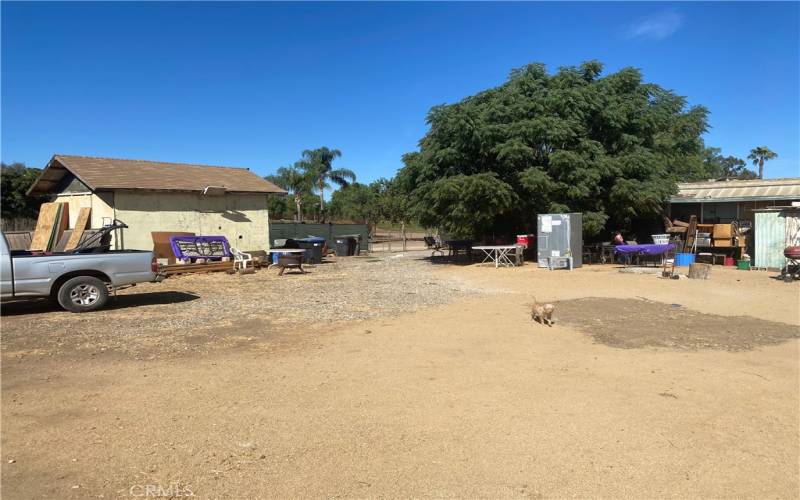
(214, 190)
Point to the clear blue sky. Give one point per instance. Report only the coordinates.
(253, 84)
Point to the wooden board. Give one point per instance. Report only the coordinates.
(44, 227)
(61, 226)
(691, 232)
(196, 268)
(161, 246)
(77, 231)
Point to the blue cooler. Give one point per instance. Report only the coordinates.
(684, 259)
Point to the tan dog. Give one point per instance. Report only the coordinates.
(543, 313)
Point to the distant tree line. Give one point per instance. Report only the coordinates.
(15, 205)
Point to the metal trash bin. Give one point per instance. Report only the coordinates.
(313, 249)
(353, 245)
(342, 246)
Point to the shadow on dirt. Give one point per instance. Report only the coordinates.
(43, 305)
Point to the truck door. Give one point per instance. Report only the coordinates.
(6, 274)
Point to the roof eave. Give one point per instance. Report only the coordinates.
(48, 168)
(727, 200)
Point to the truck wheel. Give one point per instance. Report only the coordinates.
(83, 294)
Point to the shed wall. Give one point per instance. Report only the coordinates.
(241, 218)
(98, 202)
(775, 231)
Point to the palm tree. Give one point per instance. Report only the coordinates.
(297, 182)
(759, 155)
(318, 165)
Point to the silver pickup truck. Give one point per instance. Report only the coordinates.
(80, 280)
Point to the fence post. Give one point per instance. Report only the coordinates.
(403, 234)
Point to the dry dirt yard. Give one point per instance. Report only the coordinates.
(392, 377)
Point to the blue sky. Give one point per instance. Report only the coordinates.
(253, 84)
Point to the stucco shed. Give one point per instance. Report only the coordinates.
(159, 196)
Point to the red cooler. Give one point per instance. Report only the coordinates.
(522, 239)
(729, 261)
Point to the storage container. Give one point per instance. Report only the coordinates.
(703, 242)
(729, 261)
(684, 259)
(660, 239)
(744, 265)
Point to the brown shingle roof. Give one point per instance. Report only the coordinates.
(112, 173)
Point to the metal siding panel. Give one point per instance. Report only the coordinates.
(770, 233)
(284, 230)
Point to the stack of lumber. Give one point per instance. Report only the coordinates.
(53, 220)
(205, 267)
(675, 226)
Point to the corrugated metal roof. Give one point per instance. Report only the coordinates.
(738, 190)
(112, 173)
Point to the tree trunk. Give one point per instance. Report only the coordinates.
(761, 168)
(699, 271)
(403, 234)
(298, 212)
(321, 203)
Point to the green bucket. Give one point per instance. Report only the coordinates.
(744, 265)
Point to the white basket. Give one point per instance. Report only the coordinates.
(660, 239)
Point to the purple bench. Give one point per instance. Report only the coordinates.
(200, 247)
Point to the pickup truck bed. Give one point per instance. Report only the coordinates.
(80, 281)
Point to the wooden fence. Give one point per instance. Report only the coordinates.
(18, 224)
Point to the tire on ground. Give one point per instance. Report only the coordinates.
(83, 294)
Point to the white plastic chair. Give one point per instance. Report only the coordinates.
(240, 259)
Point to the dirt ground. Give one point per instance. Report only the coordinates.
(643, 388)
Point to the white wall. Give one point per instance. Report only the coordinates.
(241, 218)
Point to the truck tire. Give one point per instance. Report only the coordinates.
(83, 294)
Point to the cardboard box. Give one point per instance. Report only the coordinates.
(723, 231)
(723, 242)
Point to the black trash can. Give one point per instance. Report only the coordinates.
(342, 247)
(353, 245)
(313, 249)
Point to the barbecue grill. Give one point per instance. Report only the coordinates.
(792, 270)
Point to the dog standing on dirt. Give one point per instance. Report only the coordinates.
(543, 313)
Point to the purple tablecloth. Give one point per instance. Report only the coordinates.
(651, 249)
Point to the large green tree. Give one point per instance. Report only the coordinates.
(15, 180)
(610, 147)
(318, 166)
(356, 202)
(759, 156)
(297, 182)
(729, 167)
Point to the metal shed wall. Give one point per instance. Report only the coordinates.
(774, 231)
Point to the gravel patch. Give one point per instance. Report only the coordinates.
(191, 312)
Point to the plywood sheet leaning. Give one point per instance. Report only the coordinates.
(77, 231)
(44, 227)
(51, 243)
(61, 226)
(161, 245)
